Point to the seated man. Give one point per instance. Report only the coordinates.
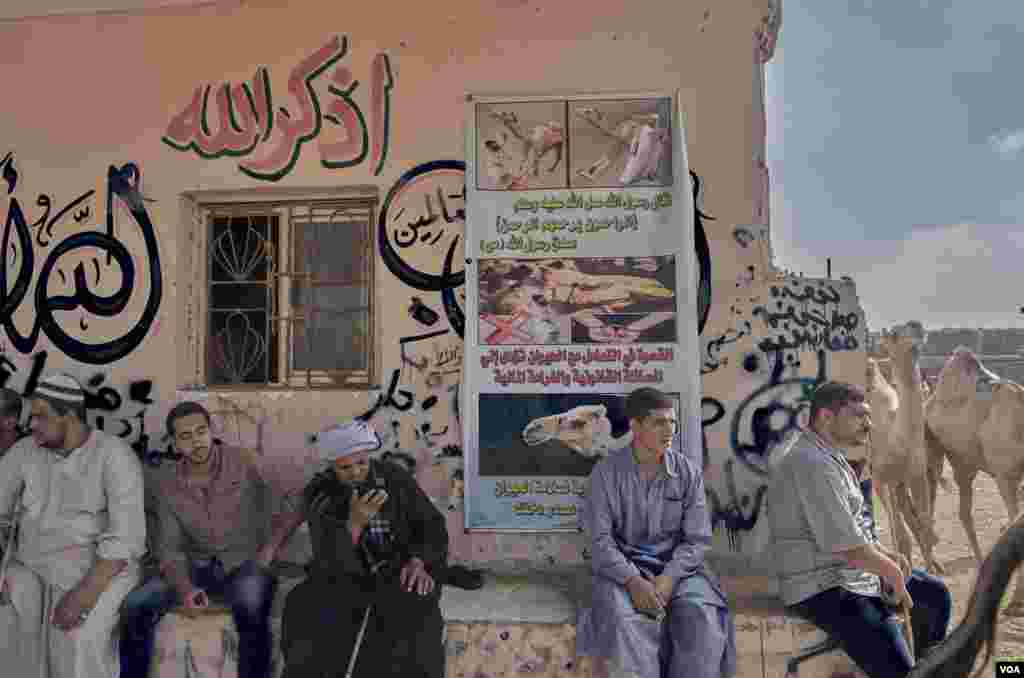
(371, 599)
(213, 539)
(81, 534)
(657, 609)
(10, 415)
(829, 558)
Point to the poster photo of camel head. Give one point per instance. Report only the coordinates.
(550, 434)
(620, 142)
(582, 300)
(521, 146)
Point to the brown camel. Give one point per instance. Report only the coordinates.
(978, 434)
(955, 657)
(899, 464)
(953, 416)
(1002, 443)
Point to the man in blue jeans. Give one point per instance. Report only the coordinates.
(831, 564)
(213, 539)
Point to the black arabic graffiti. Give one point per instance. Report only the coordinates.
(10, 174)
(705, 423)
(123, 183)
(714, 359)
(809, 328)
(732, 515)
(770, 418)
(46, 223)
(411, 229)
(743, 236)
(703, 257)
(448, 281)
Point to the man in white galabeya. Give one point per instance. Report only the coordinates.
(82, 531)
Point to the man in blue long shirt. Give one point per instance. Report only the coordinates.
(657, 608)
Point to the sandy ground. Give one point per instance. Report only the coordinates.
(954, 553)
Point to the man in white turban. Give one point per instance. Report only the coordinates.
(82, 531)
(380, 548)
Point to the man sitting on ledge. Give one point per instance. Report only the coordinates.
(828, 555)
(214, 538)
(657, 609)
(380, 546)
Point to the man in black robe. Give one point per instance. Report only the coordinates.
(379, 545)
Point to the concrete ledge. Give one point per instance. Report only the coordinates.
(531, 596)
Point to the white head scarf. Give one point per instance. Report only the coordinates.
(344, 440)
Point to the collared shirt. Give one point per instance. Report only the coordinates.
(76, 507)
(816, 510)
(226, 516)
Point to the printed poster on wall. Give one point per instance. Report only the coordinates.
(579, 289)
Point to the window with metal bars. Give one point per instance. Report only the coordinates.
(290, 294)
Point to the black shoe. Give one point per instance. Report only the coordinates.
(463, 578)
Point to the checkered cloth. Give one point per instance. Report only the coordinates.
(376, 540)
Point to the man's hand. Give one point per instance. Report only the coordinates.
(73, 609)
(194, 599)
(904, 564)
(644, 596)
(664, 585)
(414, 577)
(365, 507)
(265, 556)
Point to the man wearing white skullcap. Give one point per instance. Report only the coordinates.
(82, 531)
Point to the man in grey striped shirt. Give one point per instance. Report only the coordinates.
(831, 565)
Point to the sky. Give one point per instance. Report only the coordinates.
(896, 147)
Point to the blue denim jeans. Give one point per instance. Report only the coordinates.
(248, 590)
(867, 631)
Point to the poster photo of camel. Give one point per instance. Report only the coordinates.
(521, 146)
(620, 142)
(583, 300)
(560, 435)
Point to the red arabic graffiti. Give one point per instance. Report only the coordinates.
(245, 120)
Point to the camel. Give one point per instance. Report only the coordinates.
(899, 463)
(953, 416)
(976, 434)
(637, 134)
(536, 143)
(956, 656)
(585, 429)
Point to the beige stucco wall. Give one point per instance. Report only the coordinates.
(86, 93)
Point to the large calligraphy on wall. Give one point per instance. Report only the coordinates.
(239, 120)
(87, 281)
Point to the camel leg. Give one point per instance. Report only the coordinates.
(1008, 491)
(892, 500)
(936, 460)
(921, 512)
(965, 482)
(920, 531)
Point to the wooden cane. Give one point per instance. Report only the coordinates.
(9, 547)
(908, 628)
(358, 643)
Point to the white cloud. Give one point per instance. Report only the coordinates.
(961, 275)
(1008, 143)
